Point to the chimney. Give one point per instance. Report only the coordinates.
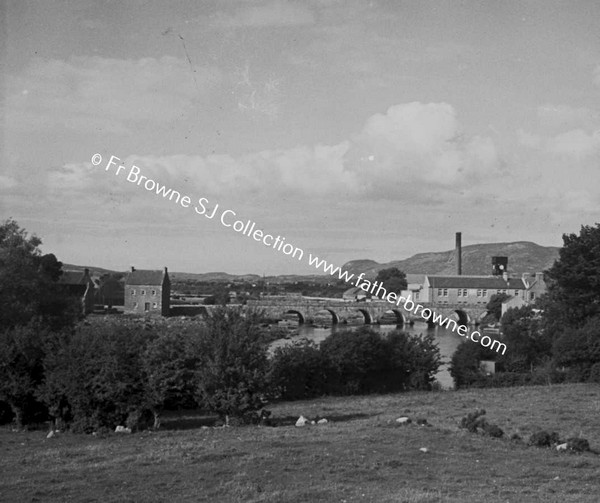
(132, 269)
(458, 254)
(86, 272)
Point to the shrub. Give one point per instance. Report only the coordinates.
(94, 376)
(231, 379)
(170, 362)
(298, 371)
(579, 350)
(595, 373)
(357, 362)
(578, 444)
(21, 371)
(464, 365)
(543, 439)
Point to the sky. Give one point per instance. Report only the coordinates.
(354, 129)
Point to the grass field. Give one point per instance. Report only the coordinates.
(360, 455)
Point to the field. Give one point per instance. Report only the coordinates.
(360, 455)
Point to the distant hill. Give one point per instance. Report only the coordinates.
(523, 256)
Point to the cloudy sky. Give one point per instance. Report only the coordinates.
(355, 129)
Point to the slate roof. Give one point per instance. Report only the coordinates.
(72, 278)
(144, 277)
(479, 282)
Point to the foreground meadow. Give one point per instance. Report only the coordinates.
(360, 455)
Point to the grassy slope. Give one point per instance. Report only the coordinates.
(360, 456)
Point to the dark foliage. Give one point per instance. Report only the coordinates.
(543, 439)
(232, 376)
(298, 371)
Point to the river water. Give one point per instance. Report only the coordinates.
(446, 340)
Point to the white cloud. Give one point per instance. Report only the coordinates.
(115, 95)
(275, 13)
(576, 143)
(412, 150)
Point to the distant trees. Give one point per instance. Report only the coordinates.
(355, 362)
(393, 279)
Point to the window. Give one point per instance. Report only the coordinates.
(147, 306)
(465, 292)
(154, 293)
(516, 293)
(154, 305)
(416, 295)
(445, 292)
(531, 295)
(143, 292)
(484, 292)
(440, 292)
(460, 292)
(132, 292)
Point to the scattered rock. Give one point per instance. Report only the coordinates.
(301, 421)
(50, 434)
(422, 422)
(122, 429)
(403, 420)
(322, 421)
(561, 447)
(424, 449)
(312, 422)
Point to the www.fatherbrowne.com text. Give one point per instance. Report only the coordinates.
(227, 218)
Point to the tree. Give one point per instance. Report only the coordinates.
(523, 334)
(28, 282)
(232, 376)
(22, 370)
(574, 290)
(393, 279)
(579, 349)
(170, 362)
(494, 306)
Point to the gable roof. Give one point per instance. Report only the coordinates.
(481, 282)
(74, 278)
(144, 277)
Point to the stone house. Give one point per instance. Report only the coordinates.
(147, 292)
(80, 284)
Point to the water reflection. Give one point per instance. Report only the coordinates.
(446, 340)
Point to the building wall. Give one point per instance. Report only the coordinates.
(137, 296)
(469, 296)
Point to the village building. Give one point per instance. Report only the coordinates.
(471, 290)
(147, 292)
(80, 284)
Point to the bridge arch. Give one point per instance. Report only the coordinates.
(366, 315)
(462, 316)
(334, 317)
(400, 320)
(301, 317)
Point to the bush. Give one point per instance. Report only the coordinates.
(364, 361)
(231, 379)
(595, 373)
(22, 371)
(298, 371)
(543, 439)
(578, 444)
(95, 377)
(579, 350)
(464, 365)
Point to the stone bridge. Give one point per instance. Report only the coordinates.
(334, 311)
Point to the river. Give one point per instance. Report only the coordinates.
(446, 340)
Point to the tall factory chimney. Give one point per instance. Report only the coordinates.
(458, 254)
